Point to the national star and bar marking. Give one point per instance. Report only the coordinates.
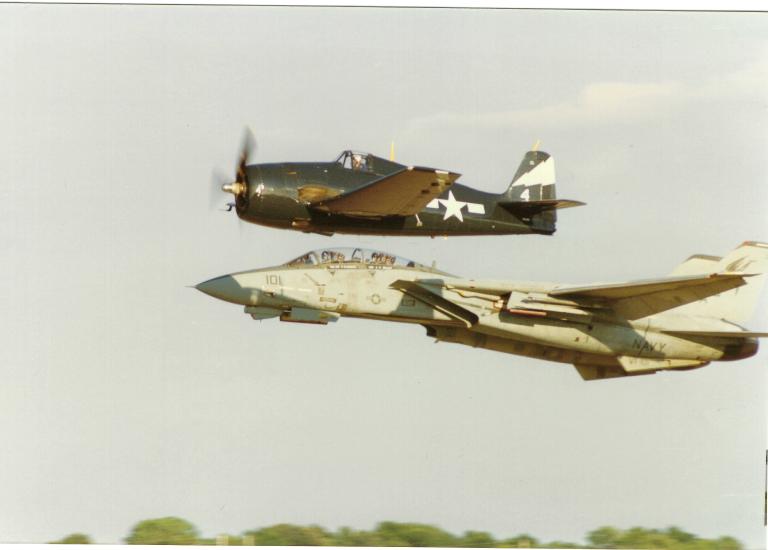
(454, 207)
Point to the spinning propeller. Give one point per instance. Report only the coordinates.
(239, 187)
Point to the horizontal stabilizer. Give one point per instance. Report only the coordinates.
(436, 301)
(403, 193)
(716, 333)
(530, 208)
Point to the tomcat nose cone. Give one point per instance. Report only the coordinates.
(224, 288)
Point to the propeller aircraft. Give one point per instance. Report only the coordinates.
(679, 322)
(363, 194)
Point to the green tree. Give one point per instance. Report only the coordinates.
(639, 537)
(285, 534)
(561, 544)
(74, 538)
(476, 539)
(728, 543)
(604, 537)
(172, 530)
(520, 541)
(169, 530)
(350, 537)
(391, 533)
(678, 535)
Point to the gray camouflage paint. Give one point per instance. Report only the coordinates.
(529, 319)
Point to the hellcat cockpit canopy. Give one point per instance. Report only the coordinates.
(360, 161)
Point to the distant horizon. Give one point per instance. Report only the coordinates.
(296, 531)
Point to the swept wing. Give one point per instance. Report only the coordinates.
(632, 300)
(715, 282)
(642, 298)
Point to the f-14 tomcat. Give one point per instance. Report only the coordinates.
(360, 193)
(679, 322)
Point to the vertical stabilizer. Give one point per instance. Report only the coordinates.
(736, 305)
(531, 195)
(534, 179)
(698, 264)
(534, 182)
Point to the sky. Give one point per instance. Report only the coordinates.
(127, 395)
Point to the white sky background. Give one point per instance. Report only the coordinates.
(127, 396)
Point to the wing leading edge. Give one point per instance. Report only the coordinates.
(403, 193)
(643, 298)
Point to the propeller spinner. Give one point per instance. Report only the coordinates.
(239, 187)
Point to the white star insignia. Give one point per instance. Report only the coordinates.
(452, 207)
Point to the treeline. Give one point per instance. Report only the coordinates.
(172, 530)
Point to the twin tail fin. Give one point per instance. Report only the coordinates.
(736, 305)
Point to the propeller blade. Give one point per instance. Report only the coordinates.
(247, 149)
(239, 187)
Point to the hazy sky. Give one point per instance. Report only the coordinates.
(126, 395)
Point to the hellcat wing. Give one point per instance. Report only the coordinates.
(404, 193)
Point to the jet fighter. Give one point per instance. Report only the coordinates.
(363, 194)
(679, 322)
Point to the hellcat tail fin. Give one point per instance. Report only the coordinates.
(531, 194)
(534, 179)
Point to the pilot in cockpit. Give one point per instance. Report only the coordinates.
(358, 162)
(332, 256)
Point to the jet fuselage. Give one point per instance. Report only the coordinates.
(450, 311)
